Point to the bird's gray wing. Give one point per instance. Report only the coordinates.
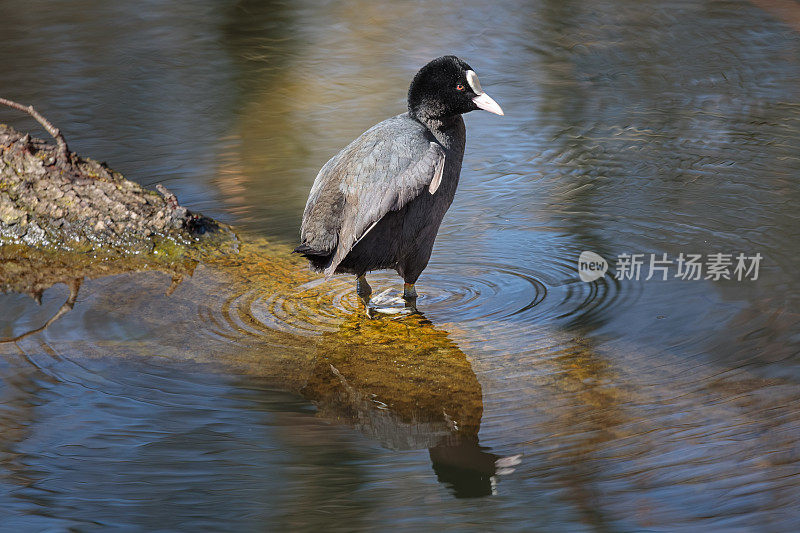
(381, 171)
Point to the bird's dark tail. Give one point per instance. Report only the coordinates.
(319, 260)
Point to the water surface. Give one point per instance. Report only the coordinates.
(243, 393)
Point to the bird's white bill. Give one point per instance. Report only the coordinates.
(485, 102)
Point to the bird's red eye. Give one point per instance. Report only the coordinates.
(459, 87)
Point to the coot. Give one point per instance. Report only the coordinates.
(378, 203)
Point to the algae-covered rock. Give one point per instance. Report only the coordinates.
(76, 203)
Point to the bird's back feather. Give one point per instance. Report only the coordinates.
(381, 171)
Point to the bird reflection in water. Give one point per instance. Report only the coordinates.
(407, 385)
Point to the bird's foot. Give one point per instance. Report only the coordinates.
(386, 304)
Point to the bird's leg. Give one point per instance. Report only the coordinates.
(410, 295)
(409, 292)
(363, 289)
(364, 292)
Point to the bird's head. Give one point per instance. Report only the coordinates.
(447, 87)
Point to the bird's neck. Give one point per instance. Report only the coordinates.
(450, 131)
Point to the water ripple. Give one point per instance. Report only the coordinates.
(473, 292)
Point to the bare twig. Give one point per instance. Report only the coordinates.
(63, 150)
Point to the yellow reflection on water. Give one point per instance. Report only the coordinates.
(400, 380)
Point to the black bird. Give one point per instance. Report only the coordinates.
(378, 203)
